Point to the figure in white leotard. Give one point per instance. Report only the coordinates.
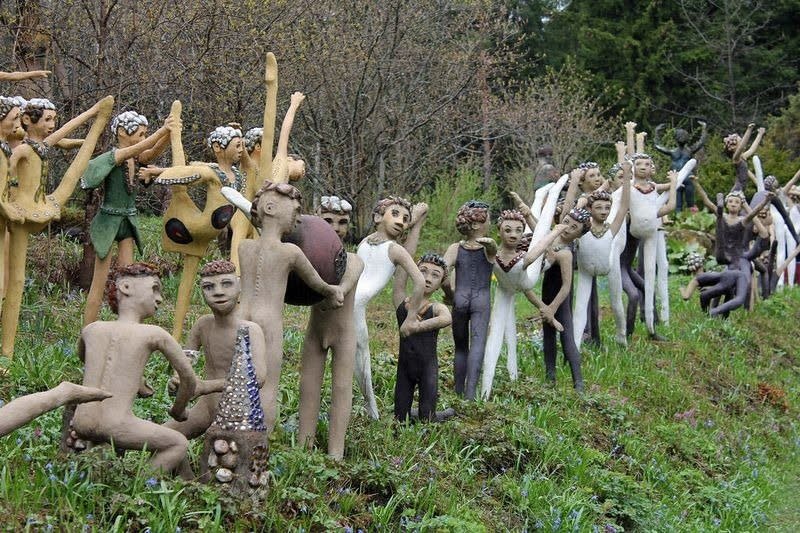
(595, 257)
(517, 269)
(381, 254)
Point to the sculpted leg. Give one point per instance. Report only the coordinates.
(403, 391)
(582, 294)
(650, 248)
(628, 284)
(460, 341)
(479, 327)
(170, 447)
(16, 285)
(594, 314)
(312, 369)
(495, 341)
(741, 293)
(571, 352)
(511, 340)
(363, 368)
(95, 297)
(198, 418)
(615, 297)
(184, 297)
(662, 273)
(429, 390)
(344, 351)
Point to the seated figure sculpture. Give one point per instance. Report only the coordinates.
(417, 363)
(115, 354)
(216, 334)
(733, 285)
(266, 263)
(381, 255)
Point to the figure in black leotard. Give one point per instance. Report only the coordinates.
(417, 364)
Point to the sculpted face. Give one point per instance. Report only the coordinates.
(10, 126)
(733, 204)
(142, 293)
(339, 222)
(434, 275)
(600, 210)
(221, 292)
(643, 168)
(232, 152)
(592, 179)
(43, 127)
(394, 220)
(124, 140)
(573, 231)
(511, 232)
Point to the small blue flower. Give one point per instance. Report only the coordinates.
(151, 482)
(90, 517)
(348, 529)
(716, 521)
(49, 467)
(610, 529)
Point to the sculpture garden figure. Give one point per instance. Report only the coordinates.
(115, 354)
(334, 329)
(679, 156)
(470, 262)
(735, 149)
(381, 255)
(266, 264)
(217, 335)
(116, 219)
(417, 363)
(733, 285)
(595, 257)
(30, 208)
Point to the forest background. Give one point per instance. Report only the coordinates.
(401, 92)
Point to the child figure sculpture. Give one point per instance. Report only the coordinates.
(217, 335)
(595, 252)
(115, 354)
(417, 364)
(381, 255)
(116, 220)
(470, 262)
(332, 329)
(266, 263)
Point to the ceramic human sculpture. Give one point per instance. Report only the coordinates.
(679, 156)
(516, 271)
(735, 148)
(733, 285)
(115, 354)
(266, 263)
(332, 329)
(116, 220)
(236, 450)
(22, 410)
(596, 255)
(381, 255)
(470, 263)
(187, 229)
(26, 203)
(218, 335)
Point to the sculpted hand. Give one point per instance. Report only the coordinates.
(488, 244)
(419, 213)
(761, 130)
(693, 177)
(146, 174)
(39, 73)
(178, 415)
(519, 204)
(630, 125)
(577, 173)
(549, 316)
(410, 326)
(335, 298)
(271, 73)
(673, 176)
(297, 99)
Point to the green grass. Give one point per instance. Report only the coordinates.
(534, 457)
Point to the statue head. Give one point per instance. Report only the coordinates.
(226, 143)
(794, 194)
(39, 118)
(278, 201)
(473, 218)
(129, 128)
(592, 177)
(220, 286)
(295, 166)
(10, 124)
(731, 143)
(578, 222)
(694, 261)
(681, 136)
(336, 212)
(252, 139)
(599, 204)
(136, 286)
(511, 225)
(734, 201)
(392, 215)
(614, 175)
(643, 166)
(434, 270)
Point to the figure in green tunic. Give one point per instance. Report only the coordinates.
(116, 219)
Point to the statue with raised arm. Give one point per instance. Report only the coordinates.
(30, 208)
(679, 156)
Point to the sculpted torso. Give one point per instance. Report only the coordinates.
(644, 213)
(267, 276)
(594, 253)
(378, 270)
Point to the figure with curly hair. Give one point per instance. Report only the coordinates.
(382, 254)
(470, 262)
